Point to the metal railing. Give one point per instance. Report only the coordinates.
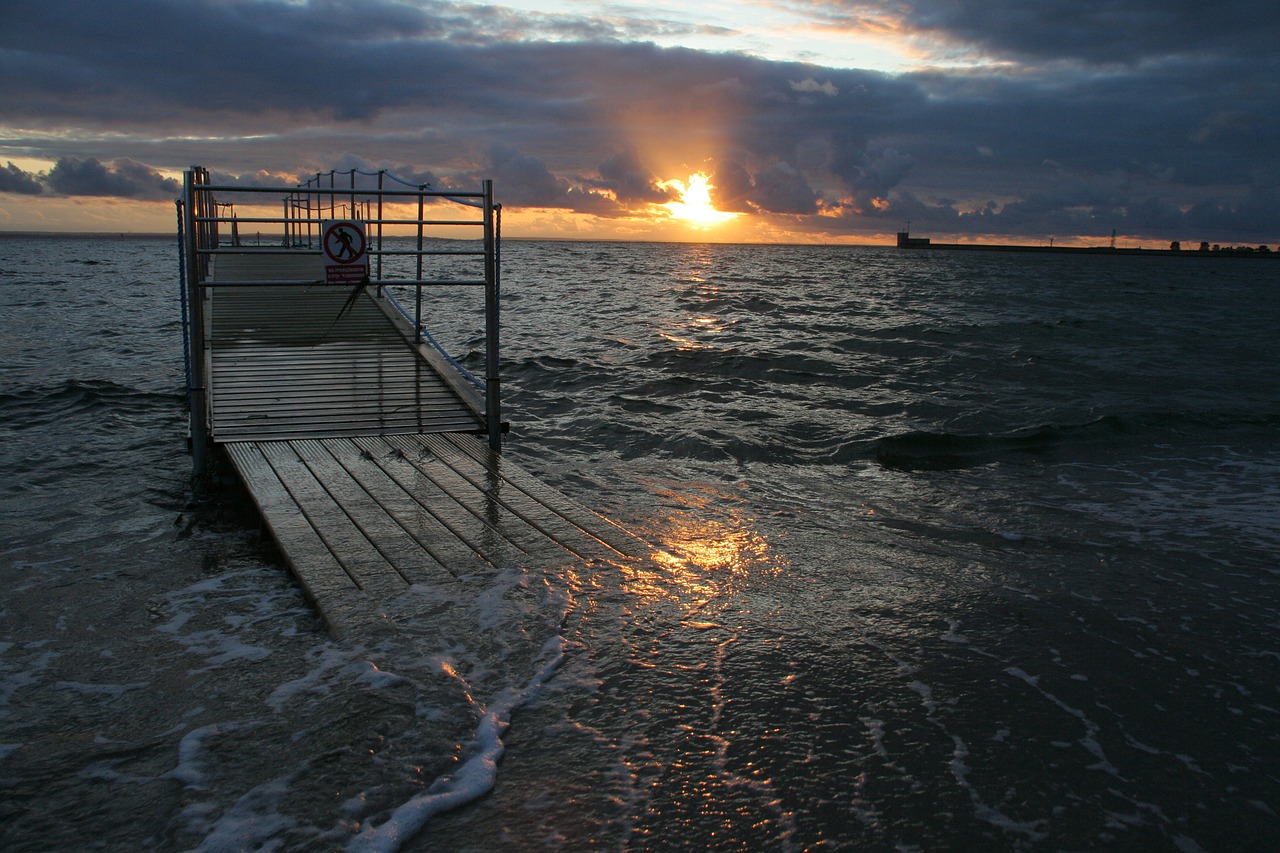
(409, 247)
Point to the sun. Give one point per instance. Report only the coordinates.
(694, 206)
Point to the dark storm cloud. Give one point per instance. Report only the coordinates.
(777, 188)
(124, 178)
(630, 181)
(1096, 32)
(1163, 123)
(525, 180)
(19, 182)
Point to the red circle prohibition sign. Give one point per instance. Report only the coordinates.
(344, 242)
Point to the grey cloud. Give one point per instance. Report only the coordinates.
(124, 178)
(731, 186)
(526, 180)
(630, 181)
(780, 188)
(777, 188)
(19, 182)
(432, 86)
(1123, 32)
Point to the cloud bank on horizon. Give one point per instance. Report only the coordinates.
(1156, 118)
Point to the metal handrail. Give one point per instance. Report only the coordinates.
(240, 250)
(316, 282)
(431, 339)
(268, 220)
(204, 217)
(358, 191)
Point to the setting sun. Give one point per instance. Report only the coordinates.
(695, 205)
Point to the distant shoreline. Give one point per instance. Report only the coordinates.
(911, 244)
(95, 235)
(924, 244)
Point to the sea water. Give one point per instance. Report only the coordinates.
(967, 551)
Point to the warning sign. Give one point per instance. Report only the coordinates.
(346, 255)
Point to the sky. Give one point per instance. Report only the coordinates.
(834, 121)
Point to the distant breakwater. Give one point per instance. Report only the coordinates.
(924, 243)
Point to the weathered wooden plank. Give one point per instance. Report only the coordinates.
(267, 433)
(303, 364)
(335, 408)
(393, 405)
(617, 538)
(284, 366)
(358, 556)
(355, 372)
(324, 354)
(353, 413)
(403, 553)
(248, 265)
(343, 606)
(485, 498)
(411, 508)
(293, 383)
(486, 493)
(429, 476)
(291, 529)
(312, 427)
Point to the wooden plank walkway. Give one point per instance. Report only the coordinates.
(288, 362)
(363, 454)
(360, 520)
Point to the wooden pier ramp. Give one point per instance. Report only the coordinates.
(364, 451)
(361, 519)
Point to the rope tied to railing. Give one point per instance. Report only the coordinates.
(182, 299)
(420, 186)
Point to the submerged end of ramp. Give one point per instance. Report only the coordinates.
(361, 520)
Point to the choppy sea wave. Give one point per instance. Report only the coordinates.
(959, 552)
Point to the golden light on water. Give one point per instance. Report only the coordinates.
(694, 206)
(714, 547)
(700, 559)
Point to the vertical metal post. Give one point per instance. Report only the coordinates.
(492, 382)
(196, 263)
(381, 174)
(417, 315)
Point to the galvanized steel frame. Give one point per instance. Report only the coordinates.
(303, 208)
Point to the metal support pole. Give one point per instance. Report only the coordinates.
(195, 307)
(492, 383)
(381, 173)
(417, 317)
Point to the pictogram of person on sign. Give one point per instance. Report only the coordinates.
(346, 251)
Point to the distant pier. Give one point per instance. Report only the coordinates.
(906, 241)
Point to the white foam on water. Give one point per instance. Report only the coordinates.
(476, 776)
(1227, 493)
(1035, 830)
(313, 681)
(369, 674)
(763, 789)
(192, 751)
(253, 822)
(1089, 740)
(223, 645)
